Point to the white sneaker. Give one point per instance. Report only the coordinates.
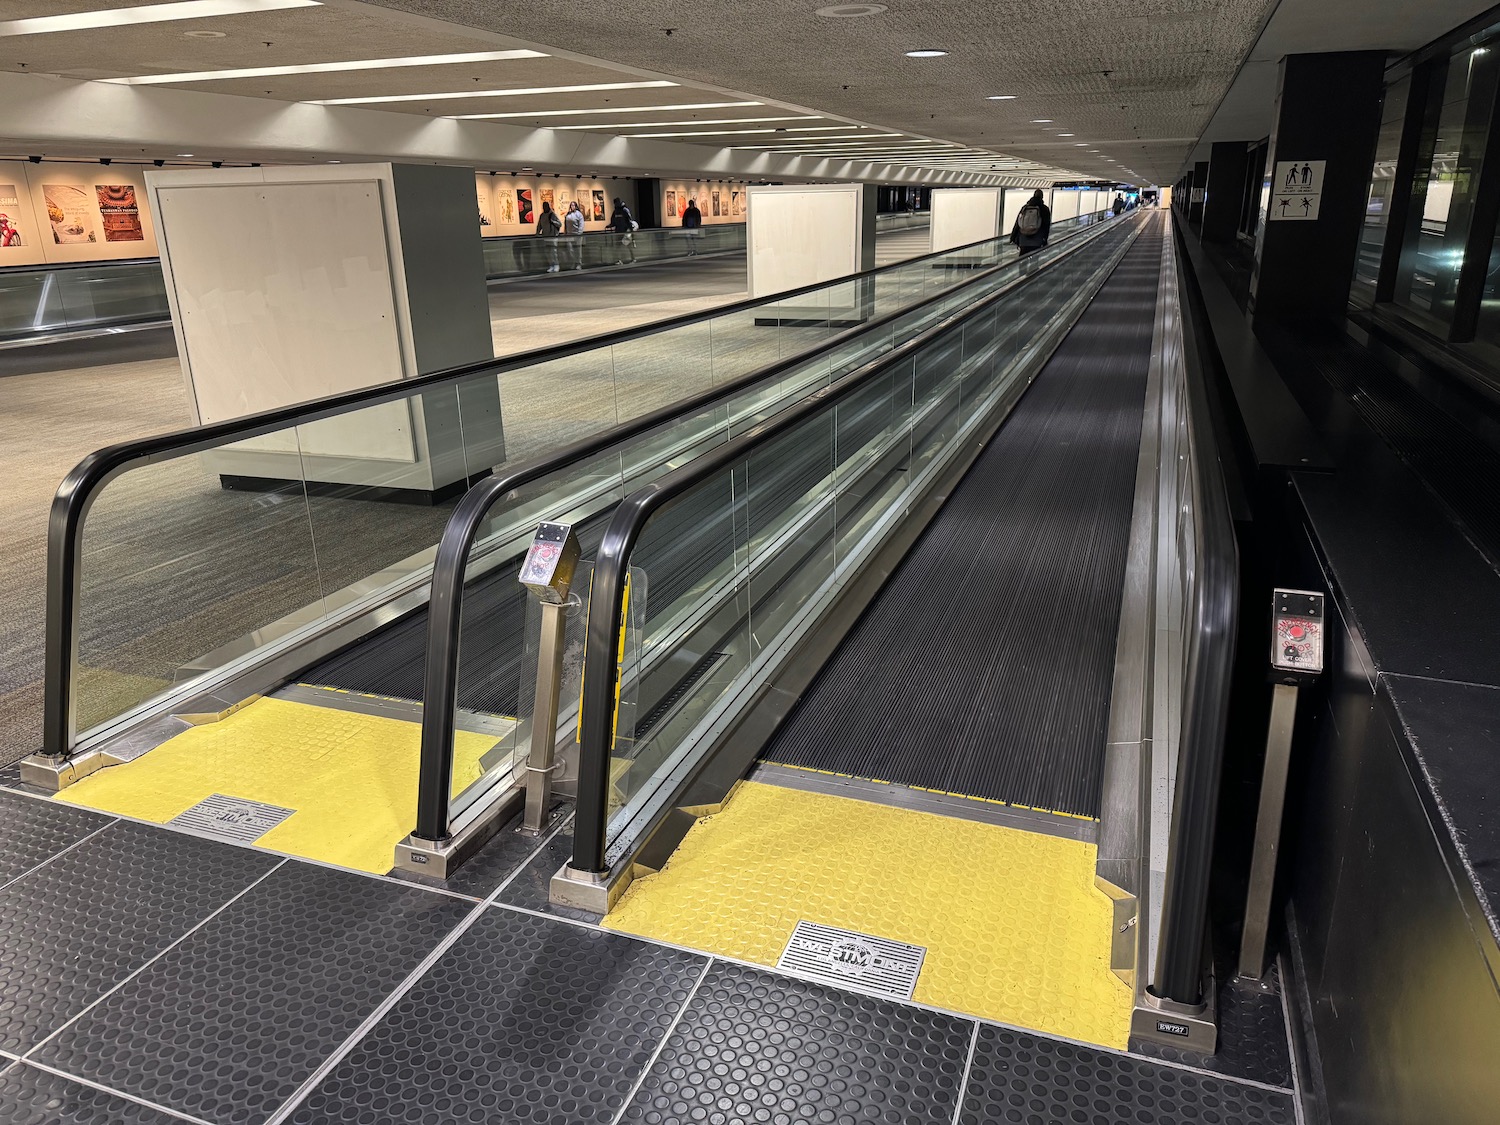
(551, 269)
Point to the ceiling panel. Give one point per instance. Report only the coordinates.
(1113, 72)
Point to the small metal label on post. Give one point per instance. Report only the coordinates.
(1168, 1028)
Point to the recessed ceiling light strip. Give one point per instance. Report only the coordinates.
(327, 68)
(601, 109)
(146, 13)
(612, 125)
(464, 95)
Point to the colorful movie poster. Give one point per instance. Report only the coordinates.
(598, 205)
(523, 206)
(548, 198)
(10, 217)
(119, 212)
(505, 204)
(483, 196)
(71, 213)
(671, 204)
(736, 203)
(714, 205)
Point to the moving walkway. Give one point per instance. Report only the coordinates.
(175, 604)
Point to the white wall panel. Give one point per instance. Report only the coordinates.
(964, 215)
(1064, 205)
(804, 235)
(1015, 199)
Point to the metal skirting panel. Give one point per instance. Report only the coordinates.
(984, 667)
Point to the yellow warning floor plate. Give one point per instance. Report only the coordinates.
(1013, 926)
(351, 778)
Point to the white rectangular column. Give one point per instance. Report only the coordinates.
(961, 216)
(292, 284)
(806, 234)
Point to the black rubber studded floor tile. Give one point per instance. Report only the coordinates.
(532, 886)
(34, 1097)
(1018, 1077)
(74, 928)
(756, 1047)
(494, 863)
(1252, 1037)
(523, 1021)
(229, 1023)
(32, 831)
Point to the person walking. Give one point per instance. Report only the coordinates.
(573, 225)
(1033, 225)
(1119, 205)
(692, 222)
(623, 223)
(549, 226)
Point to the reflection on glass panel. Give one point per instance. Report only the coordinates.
(1432, 257)
(182, 561)
(1382, 185)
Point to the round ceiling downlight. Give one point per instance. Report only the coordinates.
(849, 11)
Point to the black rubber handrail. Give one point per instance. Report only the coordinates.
(76, 494)
(601, 663)
(445, 603)
(1213, 621)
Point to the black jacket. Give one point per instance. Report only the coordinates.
(1039, 239)
(620, 221)
(692, 218)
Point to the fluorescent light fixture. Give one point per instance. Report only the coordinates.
(147, 13)
(1065, 134)
(1041, 121)
(327, 68)
(926, 53)
(1001, 98)
(659, 124)
(604, 109)
(703, 133)
(458, 95)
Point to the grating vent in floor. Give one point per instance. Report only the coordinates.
(231, 818)
(853, 960)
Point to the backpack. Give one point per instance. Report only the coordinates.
(1030, 219)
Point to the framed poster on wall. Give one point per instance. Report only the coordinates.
(70, 212)
(598, 205)
(10, 218)
(525, 216)
(671, 204)
(505, 206)
(119, 212)
(714, 208)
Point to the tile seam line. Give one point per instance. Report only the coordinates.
(968, 1017)
(963, 1081)
(661, 1046)
(121, 1094)
(58, 854)
(261, 849)
(396, 995)
(241, 893)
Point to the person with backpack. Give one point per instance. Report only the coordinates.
(623, 223)
(573, 224)
(1033, 225)
(1119, 205)
(549, 226)
(692, 222)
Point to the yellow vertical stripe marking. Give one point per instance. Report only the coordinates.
(1014, 927)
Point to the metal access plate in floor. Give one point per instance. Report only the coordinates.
(849, 959)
